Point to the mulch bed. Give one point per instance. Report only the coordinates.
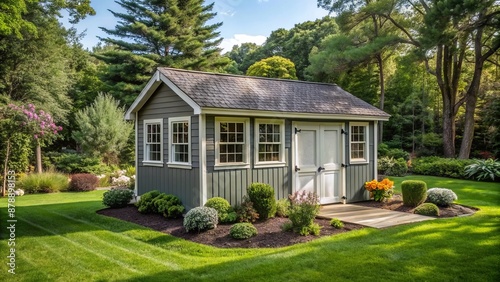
(269, 234)
(396, 204)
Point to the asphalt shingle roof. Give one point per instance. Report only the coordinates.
(255, 93)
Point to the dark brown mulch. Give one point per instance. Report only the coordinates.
(269, 232)
(396, 204)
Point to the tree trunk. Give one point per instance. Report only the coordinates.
(38, 157)
(380, 63)
(471, 95)
(5, 170)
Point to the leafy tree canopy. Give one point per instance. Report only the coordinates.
(273, 67)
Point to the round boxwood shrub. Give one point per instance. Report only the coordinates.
(414, 192)
(200, 218)
(262, 197)
(429, 209)
(223, 208)
(146, 202)
(168, 205)
(336, 223)
(441, 196)
(117, 198)
(83, 182)
(243, 230)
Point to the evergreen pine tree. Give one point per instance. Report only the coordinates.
(151, 33)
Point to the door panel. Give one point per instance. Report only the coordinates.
(318, 158)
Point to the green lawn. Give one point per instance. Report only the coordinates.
(59, 237)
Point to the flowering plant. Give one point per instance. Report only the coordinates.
(380, 190)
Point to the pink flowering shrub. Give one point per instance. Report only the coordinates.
(40, 124)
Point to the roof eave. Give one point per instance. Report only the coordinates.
(261, 113)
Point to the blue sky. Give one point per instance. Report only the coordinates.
(243, 20)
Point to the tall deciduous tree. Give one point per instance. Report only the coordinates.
(447, 34)
(273, 67)
(154, 33)
(102, 131)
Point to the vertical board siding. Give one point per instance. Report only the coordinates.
(232, 184)
(183, 183)
(358, 174)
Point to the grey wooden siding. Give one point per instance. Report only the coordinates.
(184, 183)
(358, 174)
(232, 184)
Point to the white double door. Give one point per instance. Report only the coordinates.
(318, 160)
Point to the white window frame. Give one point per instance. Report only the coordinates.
(366, 155)
(171, 154)
(246, 147)
(146, 161)
(281, 161)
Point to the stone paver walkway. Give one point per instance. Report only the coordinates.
(372, 217)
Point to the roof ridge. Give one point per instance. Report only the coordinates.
(248, 77)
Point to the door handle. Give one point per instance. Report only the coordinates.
(297, 168)
(320, 169)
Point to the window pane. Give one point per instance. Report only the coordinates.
(223, 137)
(223, 127)
(232, 127)
(239, 158)
(230, 158)
(239, 137)
(232, 137)
(223, 158)
(240, 127)
(239, 148)
(276, 137)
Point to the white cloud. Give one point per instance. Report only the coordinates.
(228, 43)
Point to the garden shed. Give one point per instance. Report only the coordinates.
(201, 135)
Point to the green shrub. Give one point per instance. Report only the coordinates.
(398, 154)
(483, 170)
(391, 166)
(145, 203)
(200, 218)
(229, 217)
(245, 211)
(414, 192)
(75, 163)
(117, 198)
(43, 183)
(223, 208)
(262, 197)
(445, 167)
(304, 207)
(282, 207)
(242, 230)
(441, 196)
(428, 209)
(168, 205)
(81, 182)
(335, 222)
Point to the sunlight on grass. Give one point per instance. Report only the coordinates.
(59, 237)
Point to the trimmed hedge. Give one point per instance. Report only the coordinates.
(414, 192)
(200, 218)
(436, 166)
(242, 230)
(117, 198)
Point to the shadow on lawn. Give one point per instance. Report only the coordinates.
(454, 249)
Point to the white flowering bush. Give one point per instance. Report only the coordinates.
(121, 181)
(441, 196)
(201, 218)
(19, 192)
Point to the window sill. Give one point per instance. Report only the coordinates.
(179, 165)
(231, 166)
(355, 162)
(269, 164)
(152, 163)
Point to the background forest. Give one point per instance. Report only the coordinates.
(434, 65)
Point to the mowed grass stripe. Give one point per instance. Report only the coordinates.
(139, 245)
(84, 248)
(49, 249)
